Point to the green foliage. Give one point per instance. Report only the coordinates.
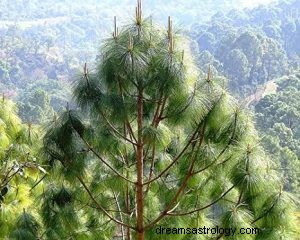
(129, 115)
(19, 172)
(278, 118)
(26, 228)
(250, 46)
(201, 156)
(36, 108)
(63, 145)
(46, 41)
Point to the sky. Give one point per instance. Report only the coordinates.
(253, 3)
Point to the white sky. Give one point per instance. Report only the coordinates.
(251, 3)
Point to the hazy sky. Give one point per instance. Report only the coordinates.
(251, 3)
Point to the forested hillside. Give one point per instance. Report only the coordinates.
(278, 117)
(48, 41)
(251, 47)
(43, 44)
(186, 12)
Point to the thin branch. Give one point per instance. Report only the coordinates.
(90, 148)
(116, 131)
(159, 118)
(224, 149)
(121, 218)
(127, 123)
(266, 212)
(202, 208)
(4, 180)
(185, 107)
(130, 130)
(183, 184)
(101, 208)
(106, 163)
(155, 116)
(152, 162)
(240, 197)
(212, 163)
(38, 182)
(176, 158)
(151, 167)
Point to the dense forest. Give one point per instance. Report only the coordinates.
(113, 124)
(278, 118)
(251, 47)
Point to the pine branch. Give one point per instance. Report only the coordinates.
(183, 184)
(176, 158)
(85, 74)
(127, 123)
(224, 149)
(156, 113)
(152, 162)
(209, 74)
(156, 117)
(7, 178)
(185, 107)
(101, 208)
(38, 182)
(116, 131)
(120, 212)
(151, 167)
(159, 118)
(131, 133)
(103, 161)
(90, 148)
(202, 208)
(267, 211)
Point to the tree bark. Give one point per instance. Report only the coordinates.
(140, 172)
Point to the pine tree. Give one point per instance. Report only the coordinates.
(152, 143)
(19, 171)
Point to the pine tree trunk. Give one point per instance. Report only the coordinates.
(140, 173)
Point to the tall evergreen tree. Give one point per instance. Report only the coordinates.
(153, 144)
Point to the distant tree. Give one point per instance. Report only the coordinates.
(250, 44)
(263, 14)
(206, 40)
(239, 17)
(206, 59)
(273, 59)
(273, 31)
(237, 66)
(4, 72)
(35, 108)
